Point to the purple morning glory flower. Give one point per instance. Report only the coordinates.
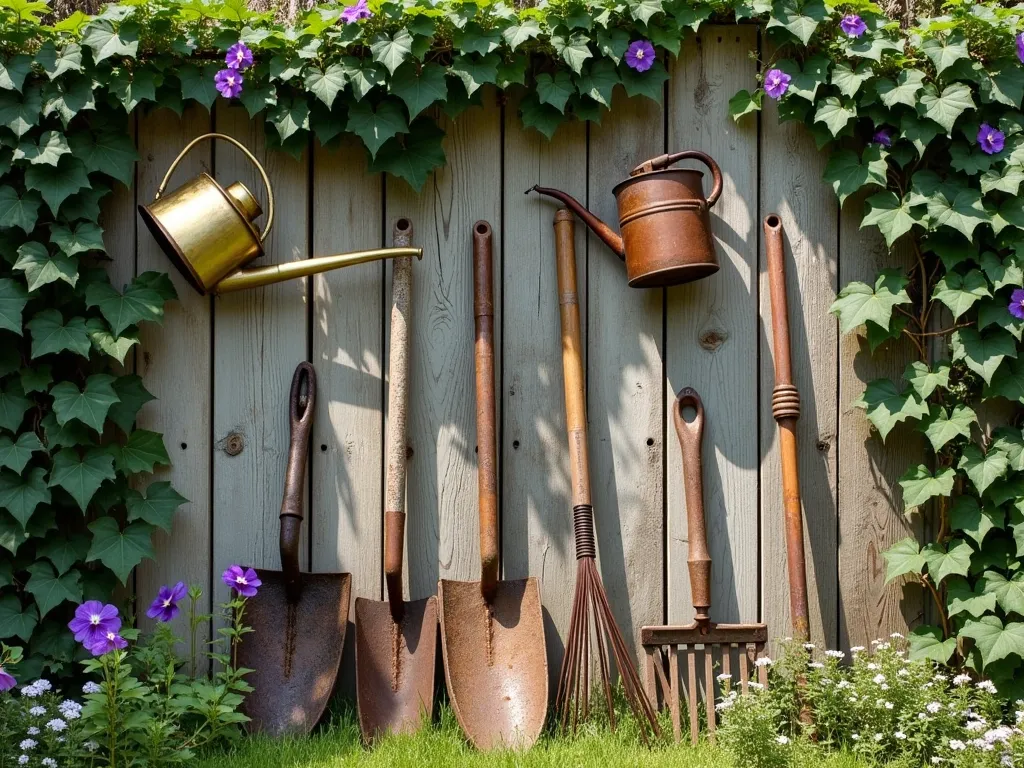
(93, 620)
(1020, 47)
(776, 83)
(229, 82)
(354, 13)
(640, 55)
(883, 136)
(243, 580)
(1017, 304)
(238, 56)
(111, 641)
(165, 607)
(991, 139)
(853, 25)
(7, 680)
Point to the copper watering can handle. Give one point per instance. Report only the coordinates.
(252, 159)
(300, 412)
(661, 162)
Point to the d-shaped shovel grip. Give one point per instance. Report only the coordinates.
(300, 410)
(698, 559)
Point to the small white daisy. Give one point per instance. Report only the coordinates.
(956, 745)
(986, 685)
(816, 665)
(27, 744)
(764, 661)
(91, 687)
(32, 731)
(49, 762)
(900, 735)
(934, 707)
(835, 654)
(879, 737)
(723, 677)
(857, 649)
(56, 725)
(37, 711)
(961, 679)
(780, 739)
(878, 679)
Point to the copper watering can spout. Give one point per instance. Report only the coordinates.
(663, 217)
(207, 232)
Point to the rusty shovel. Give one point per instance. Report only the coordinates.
(396, 640)
(299, 619)
(492, 630)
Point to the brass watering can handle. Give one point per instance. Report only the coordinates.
(241, 147)
(661, 162)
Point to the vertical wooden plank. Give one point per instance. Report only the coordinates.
(870, 499)
(347, 334)
(441, 529)
(117, 217)
(625, 384)
(711, 327)
(175, 366)
(260, 335)
(791, 185)
(537, 537)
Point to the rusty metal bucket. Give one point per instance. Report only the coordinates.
(663, 217)
(492, 630)
(396, 641)
(299, 619)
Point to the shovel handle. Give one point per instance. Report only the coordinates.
(486, 438)
(300, 412)
(398, 376)
(698, 559)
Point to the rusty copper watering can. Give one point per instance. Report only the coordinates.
(207, 232)
(663, 215)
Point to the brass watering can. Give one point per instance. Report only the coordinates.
(207, 232)
(663, 216)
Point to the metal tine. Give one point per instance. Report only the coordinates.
(709, 689)
(744, 672)
(673, 692)
(691, 669)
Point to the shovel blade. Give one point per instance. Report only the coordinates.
(395, 694)
(495, 661)
(293, 650)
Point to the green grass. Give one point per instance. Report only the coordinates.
(442, 745)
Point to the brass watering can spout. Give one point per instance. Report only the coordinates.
(207, 232)
(598, 227)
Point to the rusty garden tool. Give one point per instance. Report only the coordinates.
(663, 215)
(299, 620)
(786, 410)
(396, 640)
(492, 630)
(703, 636)
(592, 620)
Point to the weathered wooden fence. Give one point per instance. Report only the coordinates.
(221, 367)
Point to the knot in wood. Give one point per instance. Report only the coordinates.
(712, 339)
(234, 444)
(785, 402)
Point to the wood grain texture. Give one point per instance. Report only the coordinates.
(625, 384)
(536, 530)
(870, 499)
(260, 335)
(711, 331)
(441, 527)
(176, 366)
(809, 212)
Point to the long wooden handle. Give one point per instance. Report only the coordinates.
(572, 356)
(486, 433)
(786, 410)
(300, 413)
(398, 375)
(698, 559)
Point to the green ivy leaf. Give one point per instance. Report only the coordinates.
(598, 80)
(944, 108)
(850, 80)
(902, 558)
(968, 516)
(56, 61)
(1008, 593)
(140, 302)
(969, 159)
(326, 83)
(13, 299)
(993, 639)
(872, 46)
(983, 352)
(613, 43)
(81, 476)
(1010, 442)
(834, 114)
(476, 39)
(86, 204)
(83, 237)
(142, 451)
(49, 589)
(42, 267)
(133, 88)
(962, 598)
(290, 117)
(555, 89)
(542, 117)
(414, 159)
(644, 10)
(157, 507)
(943, 562)
(36, 379)
(69, 435)
(887, 405)
(1005, 86)
(918, 131)
(1002, 272)
(132, 395)
(198, 84)
(848, 174)
(574, 50)
(419, 87)
(88, 405)
(925, 380)
(13, 406)
(16, 621)
(858, 302)
(1008, 382)
(49, 149)
(919, 485)
(56, 184)
(120, 550)
(941, 426)
(103, 340)
(650, 84)
(945, 50)
(362, 77)
(392, 51)
(258, 97)
(475, 72)
(983, 468)
(1006, 179)
(20, 211)
(15, 454)
(13, 71)
(63, 550)
(958, 207)
(22, 494)
(799, 19)
(743, 103)
(20, 113)
(926, 642)
(105, 41)
(892, 216)
(376, 126)
(12, 535)
(960, 292)
(518, 33)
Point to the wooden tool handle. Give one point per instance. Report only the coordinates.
(572, 356)
(398, 376)
(698, 559)
(486, 439)
(301, 406)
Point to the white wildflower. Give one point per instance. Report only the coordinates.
(843, 684)
(764, 661)
(855, 736)
(986, 685)
(69, 705)
(853, 697)
(934, 707)
(879, 737)
(1019, 715)
(723, 677)
(724, 704)
(31, 692)
(32, 731)
(956, 745)
(940, 678)
(816, 665)
(884, 686)
(780, 739)
(896, 636)
(756, 686)
(91, 687)
(975, 726)
(49, 762)
(961, 679)
(857, 649)
(900, 735)
(56, 725)
(902, 672)
(37, 711)
(835, 654)
(872, 666)
(922, 716)
(1000, 733)
(882, 647)
(23, 759)
(928, 685)
(983, 745)
(1007, 761)
(43, 685)
(91, 746)
(936, 760)
(27, 744)
(876, 642)
(809, 646)
(878, 679)
(888, 705)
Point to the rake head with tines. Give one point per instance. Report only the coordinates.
(715, 644)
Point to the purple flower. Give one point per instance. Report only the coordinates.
(238, 56)
(229, 82)
(991, 139)
(111, 641)
(1017, 304)
(243, 580)
(354, 13)
(93, 620)
(776, 83)
(165, 607)
(883, 136)
(7, 680)
(1020, 47)
(853, 25)
(640, 55)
